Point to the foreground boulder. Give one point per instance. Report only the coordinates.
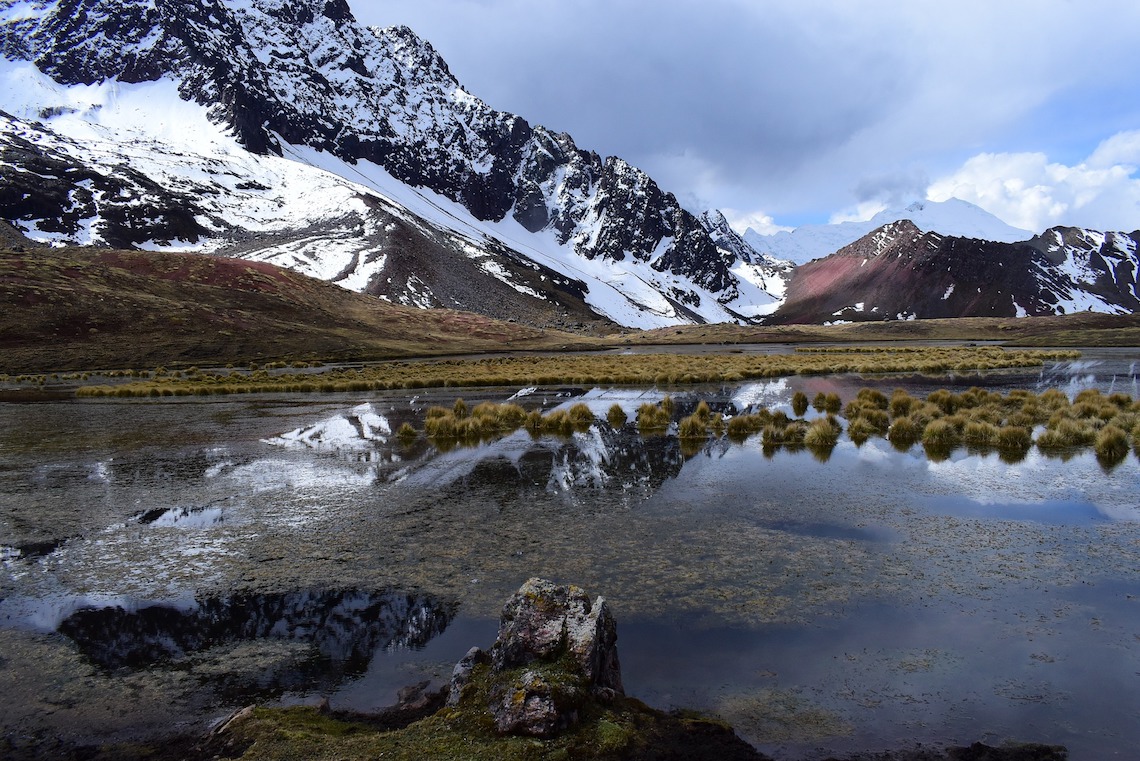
(555, 650)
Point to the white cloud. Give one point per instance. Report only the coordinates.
(800, 107)
(860, 212)
(741, 221)
(1029, 191)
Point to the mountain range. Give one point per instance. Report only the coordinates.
(283, 131)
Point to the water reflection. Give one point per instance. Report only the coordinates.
(317, 493)
(344, 629)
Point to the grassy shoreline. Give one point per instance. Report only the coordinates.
(579, 369)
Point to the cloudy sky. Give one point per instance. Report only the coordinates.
(785, 112)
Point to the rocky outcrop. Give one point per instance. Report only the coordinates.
(556, 649)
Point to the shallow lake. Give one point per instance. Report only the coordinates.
(165, 561)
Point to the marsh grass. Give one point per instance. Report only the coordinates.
(823, 433)
(904, 432)
(616, 416)
(581, 369)
(654, 418)
(486, 421)
(406, 433)
(799, 403)
(693, 427)
(1111, 446)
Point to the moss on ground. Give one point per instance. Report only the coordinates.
(627, 728)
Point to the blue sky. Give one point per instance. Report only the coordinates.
(782, 112)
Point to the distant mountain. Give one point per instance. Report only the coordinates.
(952, 217)
(899, 272)
(283, 131)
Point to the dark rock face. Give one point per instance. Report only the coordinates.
(555, 650)
(305, 72)
(900, 272)
(42, 182)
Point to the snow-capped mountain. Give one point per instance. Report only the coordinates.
(900, 272)
(283, 131)
(952, 217)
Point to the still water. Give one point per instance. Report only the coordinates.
(164, 561)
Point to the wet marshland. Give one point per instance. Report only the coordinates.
(167, 560)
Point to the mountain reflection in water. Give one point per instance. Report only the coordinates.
(346, 628)
(909, 598)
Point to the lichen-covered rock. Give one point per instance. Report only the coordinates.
(556, 651)
(544, 620)
(537, 702)
(461, 674)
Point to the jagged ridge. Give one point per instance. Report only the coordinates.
(287, 73)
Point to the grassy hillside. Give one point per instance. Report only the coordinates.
(85, 308)
(89, 309)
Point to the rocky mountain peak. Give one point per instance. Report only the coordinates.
(301, 77)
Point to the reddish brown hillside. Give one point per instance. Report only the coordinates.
(98, 308)
(899, 272)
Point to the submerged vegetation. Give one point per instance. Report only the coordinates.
(581, 369)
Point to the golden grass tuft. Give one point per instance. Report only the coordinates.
(799, 403)
(616, 416)
(1111, 445)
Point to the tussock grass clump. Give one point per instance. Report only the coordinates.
(1063, 432)
(693, 427)
(486, 421)
(773, 435)
(901, 403)
(940, 433)
(581, 417)
(874, 418)
(980, 433)
(1014, 438)
(557, 423)
(616, 416)
(873, 398)
(1111, 445)
(440, 426)
(1122, 401)
(903, 433)
(946, 401)
(799, 403)
(859, 430)
(437, 412)
(406, 432)
(822, 433)
(654, 417)
(741, 427)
